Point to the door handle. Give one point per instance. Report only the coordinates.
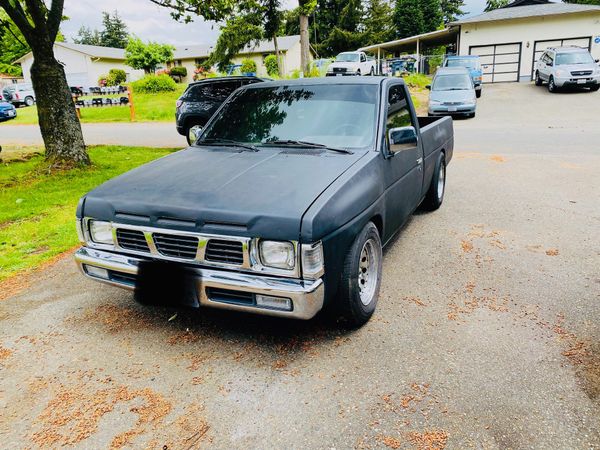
(420, 161)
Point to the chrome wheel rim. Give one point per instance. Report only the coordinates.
(551, 84)
(441, 181)
(193, 133)
(368, 271)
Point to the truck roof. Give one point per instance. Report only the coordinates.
(451, 70)
(322, 80)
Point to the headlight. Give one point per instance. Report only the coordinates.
(312, 260)
(560, 73)
(101, 232)
(277, 254)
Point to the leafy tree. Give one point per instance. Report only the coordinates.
(39, 22)
(432, 15)
(345, 33)
(237, 32)
(272, 65)
(87, 36)
(451, 10)
(408, 18)
(272, 16)
(490, 5)
(12, 46)
(147, 56)
(378, 26)
(115, 32)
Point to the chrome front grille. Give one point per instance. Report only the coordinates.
(224, 251)
(176, 246)
(132, 240)
(581, 73)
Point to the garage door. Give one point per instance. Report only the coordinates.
(499, 62)
(540, 46)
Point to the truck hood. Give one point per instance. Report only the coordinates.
(345, 65)
(221, 190)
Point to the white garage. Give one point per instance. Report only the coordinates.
(509, 40)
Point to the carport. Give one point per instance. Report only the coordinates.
(415, 45)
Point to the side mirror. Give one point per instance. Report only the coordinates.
(428, 87)
(550, 63)
(403, 138)
(597, 60)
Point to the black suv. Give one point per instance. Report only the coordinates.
(200, 101)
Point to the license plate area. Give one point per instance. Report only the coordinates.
(452, 109)
(165, 283)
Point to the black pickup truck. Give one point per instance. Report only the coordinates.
(281, 207)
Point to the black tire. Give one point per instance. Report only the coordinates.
(353, 308)
(551, 85)
(435, 198)
(594, 88)
(538, 80)
(188, 130)
(372, 72)
(29, 101)
(478, 92)
(358, 73)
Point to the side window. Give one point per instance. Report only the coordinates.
(363, 58)
(550, 58)
(398, 114)
(223, 90)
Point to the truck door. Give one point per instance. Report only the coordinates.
(403, 159)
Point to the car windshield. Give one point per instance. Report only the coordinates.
(574, 58)
(347, 57)
(342, 116)
(454, 82)
(469, 63)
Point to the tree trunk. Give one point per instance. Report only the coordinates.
(304, 45)
(58, 120)
(276, 45)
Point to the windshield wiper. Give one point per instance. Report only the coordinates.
(293, 143)
(227, 143)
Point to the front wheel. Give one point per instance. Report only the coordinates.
(551, 85)
(478, 93)
(192, 133)
(358, 73)
(594, 88)
(538, 80)
(372, 72)
(435, 194)
(361, 277)
(29, 101)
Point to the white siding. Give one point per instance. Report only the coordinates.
(527, 31)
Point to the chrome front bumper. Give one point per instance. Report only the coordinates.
(306, 295)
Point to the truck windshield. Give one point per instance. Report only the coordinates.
(469, 63)
(347, 57)
(451, 83)
(574, 58)
(342, 116)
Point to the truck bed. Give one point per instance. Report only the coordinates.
(437, 134)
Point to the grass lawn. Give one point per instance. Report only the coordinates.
(148, 107)
(37, 209)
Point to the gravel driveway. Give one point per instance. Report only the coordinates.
(487, 333)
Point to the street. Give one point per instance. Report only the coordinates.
(486, 336)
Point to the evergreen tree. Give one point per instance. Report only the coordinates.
(378, 26)
(87, 36)
(408, 18)
(490, 5)
(115, 32)
(451, 10)
(432, 15)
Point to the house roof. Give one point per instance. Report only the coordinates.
(192, 51)
(264, 46)
(531, 10)
(95, 51)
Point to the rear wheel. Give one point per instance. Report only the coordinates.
(435, 194)
(361, 278)
(358, 73)
(594, 88)
(372, 72)
(29, 101)
(192, 132)
(538, 80)
(551, 85)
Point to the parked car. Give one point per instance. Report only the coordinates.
(567, 67)
(473, 65)
(19, 94)
(281, 207)
(352, 63)
(200, 101)
(7, 111)
(452, 92)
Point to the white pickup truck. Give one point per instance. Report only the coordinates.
(351, 63)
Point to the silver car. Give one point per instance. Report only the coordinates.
(19, 94)
(567, 67)
(452, 92)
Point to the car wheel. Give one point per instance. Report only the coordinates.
(361, 277)
(358, 73)
(29, 101)
(372, 72)
(478, 93)
(594, 88)
(551, 85)
(538, 80)
(192, 132)
(437, 188)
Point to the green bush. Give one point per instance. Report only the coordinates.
(417, 80)
(116, 77)
(248, 66)
(178, 71)
(154, 83)
(271, 65)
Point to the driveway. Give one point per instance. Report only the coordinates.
(144, 134)
(486, 336)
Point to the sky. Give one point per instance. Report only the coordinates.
(152, 22)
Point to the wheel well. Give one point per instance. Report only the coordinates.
(378, 221)
(190, 122)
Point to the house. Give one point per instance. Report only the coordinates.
(6, 79)
(85, 64)
(509, 40)
(289, 48)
